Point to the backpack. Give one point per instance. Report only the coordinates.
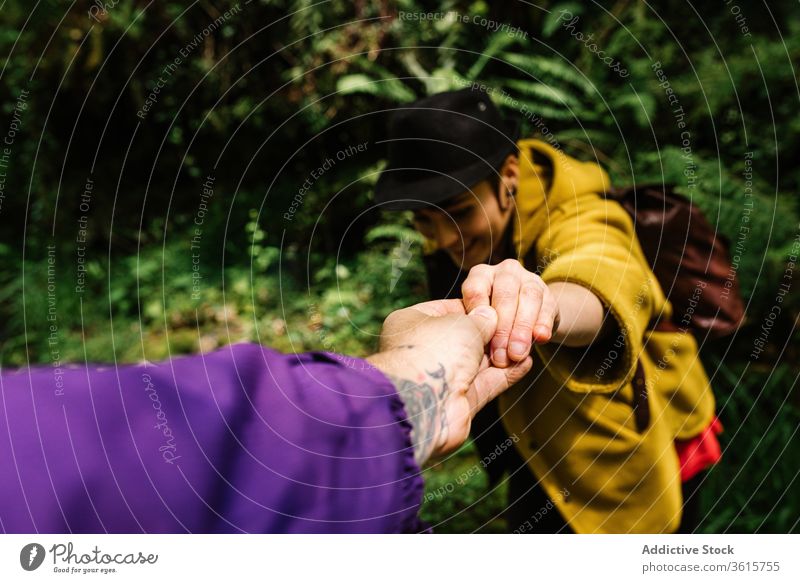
(688, 257)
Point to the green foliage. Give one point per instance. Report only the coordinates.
(754, 490)
(458, 497)
(265, 99)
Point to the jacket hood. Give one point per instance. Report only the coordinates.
(547, 179)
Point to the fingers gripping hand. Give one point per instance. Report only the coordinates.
(476, 381)
(526, 308)
(436, 356)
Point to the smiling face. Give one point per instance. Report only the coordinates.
(470, 226)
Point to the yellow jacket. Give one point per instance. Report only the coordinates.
(573, 414)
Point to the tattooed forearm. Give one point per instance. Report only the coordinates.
(424, 401)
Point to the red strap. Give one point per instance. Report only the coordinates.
(699, 452)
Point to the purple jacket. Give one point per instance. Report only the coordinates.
(244, 439)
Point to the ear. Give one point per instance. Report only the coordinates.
(509, 180)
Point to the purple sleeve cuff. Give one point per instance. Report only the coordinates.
(243, 439)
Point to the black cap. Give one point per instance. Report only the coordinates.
(441, 146)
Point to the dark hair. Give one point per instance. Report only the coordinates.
(494, 179)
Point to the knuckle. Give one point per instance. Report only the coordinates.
(479, 270)
(522, 331)
(502, 332)
(504, 294)
(549, 305)
(471, 290)
(531, 290)
(390, 319)
(509, 264)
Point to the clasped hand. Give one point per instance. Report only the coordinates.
(437, 353)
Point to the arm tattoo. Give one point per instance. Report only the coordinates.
(424, 402)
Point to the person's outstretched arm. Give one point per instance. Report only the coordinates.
(243, 439)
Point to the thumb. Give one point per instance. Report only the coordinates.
(491, 382)
(485, 318)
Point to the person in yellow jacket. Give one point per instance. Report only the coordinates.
(520, 225)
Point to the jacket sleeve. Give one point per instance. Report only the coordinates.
(335, 435)
(243, 439)
(591, 241)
